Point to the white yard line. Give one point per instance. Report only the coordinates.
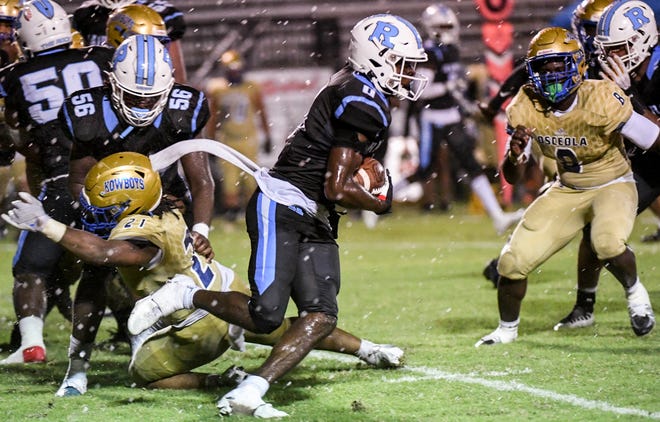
(425, 373)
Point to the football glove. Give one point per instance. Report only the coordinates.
(27, 214)
(615, 70)
(385, 193)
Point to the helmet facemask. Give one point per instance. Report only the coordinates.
(141, 79)
(100, 220)
(555, 86)
(395, 83)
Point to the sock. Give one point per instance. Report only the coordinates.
(510, 325)
(256, 382)
(365, 348)
(79, 355)
(484, 191)
(637, 293)
(187, 298)
(633, 289)
(586, 299)
(32, 331)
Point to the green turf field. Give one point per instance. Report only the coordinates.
(414, 281)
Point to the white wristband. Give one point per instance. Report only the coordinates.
(53, 229)
(201, 228)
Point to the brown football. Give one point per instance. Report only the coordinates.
(370, 175)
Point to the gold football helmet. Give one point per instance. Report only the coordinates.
(135, 19)
(556, 45)
(231, 59)
(77, 40)
(585, 19)
(119, 185)
(9, 10)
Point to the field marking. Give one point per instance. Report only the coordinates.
(472, 378)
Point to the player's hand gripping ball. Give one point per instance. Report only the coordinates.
(370, 175)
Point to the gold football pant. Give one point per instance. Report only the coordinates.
(555, 217)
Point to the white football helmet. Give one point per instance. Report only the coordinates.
(628, 26)
(141, 79)
(387, 48)
(114, 4)
(42, 25)
(441, 24)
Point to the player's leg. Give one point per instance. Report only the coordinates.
(34, 267)
(462, 146)
(165, 358)
(614, 216)
(231, 179)
(314, 287)
(549, 224)
(588, 271)
(649, 197)
(88, 309)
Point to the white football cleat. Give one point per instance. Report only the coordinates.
(642, 318)
(506, 220)
(384, 356)
(32, 354)
(164, 301)
(500, 335)
(247, 401)
(74, 386)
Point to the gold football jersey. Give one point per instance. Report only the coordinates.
(235, 110)
(584, 141)
(170, 234)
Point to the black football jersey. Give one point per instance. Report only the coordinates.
(445, 60)
(646, 164)
(348, 105)
(90, 20)
(97, 130)
(35, 89)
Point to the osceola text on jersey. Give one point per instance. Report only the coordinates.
(562, 141)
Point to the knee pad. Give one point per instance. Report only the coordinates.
(508, 266)
(607, 246)
(264, 321)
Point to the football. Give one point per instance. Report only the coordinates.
(370, 175)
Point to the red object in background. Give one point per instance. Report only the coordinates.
(497, 35)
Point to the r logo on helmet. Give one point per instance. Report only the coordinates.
(383, 32)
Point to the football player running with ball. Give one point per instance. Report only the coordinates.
(293, 230)
(150, 243)
(578, 122)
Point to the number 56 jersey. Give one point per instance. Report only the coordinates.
(35, 90)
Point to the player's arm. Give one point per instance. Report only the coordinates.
(513, 166)
(210, 127)
(508, 89)
(176, 55)
(78, 168)
(642, 132)
(202, 188)
(28, 214)
(342, 189)
(97, 251)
